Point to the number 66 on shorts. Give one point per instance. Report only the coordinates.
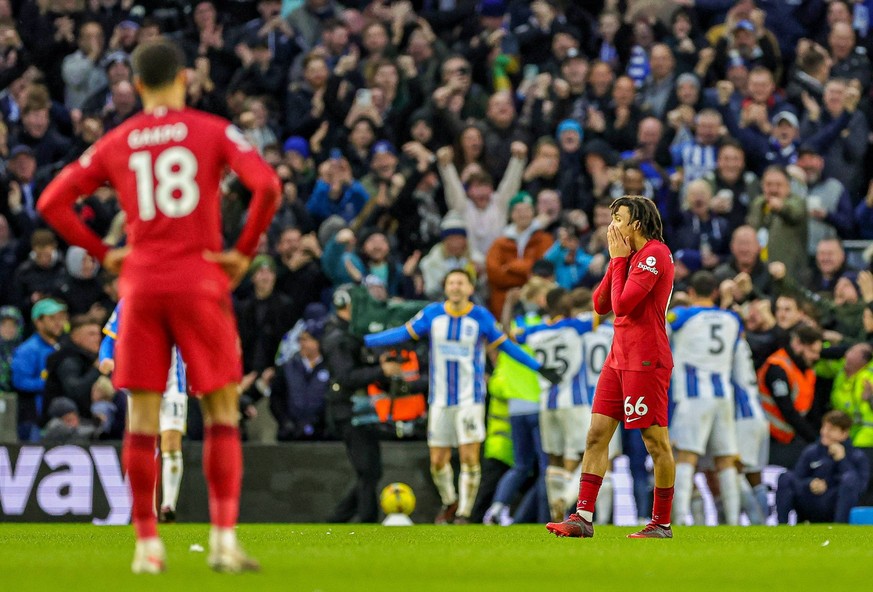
(647, 406)
(639, 408)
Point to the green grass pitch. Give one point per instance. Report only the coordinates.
(332, 558)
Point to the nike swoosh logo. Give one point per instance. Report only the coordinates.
(632, 419)
(816, 464)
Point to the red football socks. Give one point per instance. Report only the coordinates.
(589, 487)
(662, 505)
(222, 466)
(140, 462)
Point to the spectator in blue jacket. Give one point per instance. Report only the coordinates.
(570, 260)
(336, 191)
(29, 364)
(829, 477)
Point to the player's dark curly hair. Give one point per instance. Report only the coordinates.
(644, 211)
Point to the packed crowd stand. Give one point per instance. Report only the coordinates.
(414, 138)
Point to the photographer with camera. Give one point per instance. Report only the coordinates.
(349, 412)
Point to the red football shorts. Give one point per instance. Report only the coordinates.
(638, 398)
(204, 329)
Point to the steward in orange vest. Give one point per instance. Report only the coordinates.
(401, 402)
(787, 384)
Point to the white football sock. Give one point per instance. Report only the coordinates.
(682, 493)
(730, 495)
(171, 478)
(492, 514)
(748, 503)
(444, 479)
(468, 484)
(556, 486)
(222, 537)
(762, 495)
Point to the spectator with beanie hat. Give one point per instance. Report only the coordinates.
(298, 391)
(511, 256)
(452, 252)
(685, 262)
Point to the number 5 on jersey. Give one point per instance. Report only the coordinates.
(639, 408)
(176, 193)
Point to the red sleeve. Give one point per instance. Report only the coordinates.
(55, 204)
(602, 296)
(260, 178)
(628, 293)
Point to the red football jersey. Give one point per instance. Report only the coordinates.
(637, 289)
(166, 167)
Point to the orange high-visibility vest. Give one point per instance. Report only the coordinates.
(802, 385)
(404, 408)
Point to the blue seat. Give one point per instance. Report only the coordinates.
(861, 515)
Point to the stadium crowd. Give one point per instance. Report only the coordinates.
(413, 138)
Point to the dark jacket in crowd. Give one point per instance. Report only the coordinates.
(349, 370)
(297, 399)
(262, 323)
(70, 372)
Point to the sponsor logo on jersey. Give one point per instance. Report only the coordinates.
(454, 350)
(647, 267)
(162, 134)
(650, 261)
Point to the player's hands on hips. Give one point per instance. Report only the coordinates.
(114, 258)
(232, 262)
(616, 243)
(551, 375)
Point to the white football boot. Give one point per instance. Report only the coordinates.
(149, 557)
(226, 555)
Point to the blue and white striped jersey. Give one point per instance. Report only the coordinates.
(695, 159)
(457, 351)
(595, 348)
(176, 380)
(747, 397)
(558, 345)
(703, 341)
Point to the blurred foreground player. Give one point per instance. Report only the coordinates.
(166, 165)
(635, 378)
(173, 417)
